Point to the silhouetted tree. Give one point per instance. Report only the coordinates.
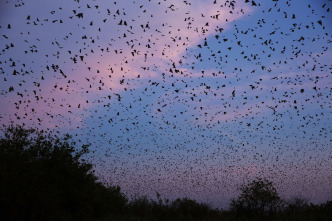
(258, 198)
(43, 177)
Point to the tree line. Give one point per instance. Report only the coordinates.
(44, 177)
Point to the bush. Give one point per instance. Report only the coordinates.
(297, 205)
(140, 206)
(188, 207)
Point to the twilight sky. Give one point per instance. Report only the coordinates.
(185, 98)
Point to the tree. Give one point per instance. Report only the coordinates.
(258, 197)
(43, 177)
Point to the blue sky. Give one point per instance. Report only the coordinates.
(187, 98)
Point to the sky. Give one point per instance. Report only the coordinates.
(185, 98)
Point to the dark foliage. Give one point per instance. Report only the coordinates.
(297, 205)
(164, 210)
(188, 207)
(299, 209)
(141, 207)
(258, 198)
(43, 177)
